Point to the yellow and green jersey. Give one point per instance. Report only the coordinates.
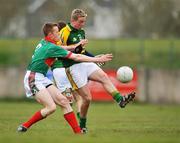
(45, 54)
(68, 36)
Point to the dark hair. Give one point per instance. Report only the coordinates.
(61, 24)
(47, 28)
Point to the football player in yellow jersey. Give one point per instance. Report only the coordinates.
(80, 73)
(72, 38)
(63, 84)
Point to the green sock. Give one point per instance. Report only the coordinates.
(78, 115)
(82, 123)
(117, 96)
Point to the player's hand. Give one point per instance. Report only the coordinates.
(80, 46)
(83, 42)
(78, 49)
(100, 64)
(105, 58)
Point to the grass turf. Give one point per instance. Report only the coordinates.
(106, 123)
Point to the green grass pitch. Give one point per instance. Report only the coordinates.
(107, 123)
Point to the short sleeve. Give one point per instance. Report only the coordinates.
(57, 51)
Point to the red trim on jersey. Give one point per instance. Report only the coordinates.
(50, 61)
(48, 38)
(70, 53)
(31, 82)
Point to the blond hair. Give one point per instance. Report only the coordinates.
(76, 13)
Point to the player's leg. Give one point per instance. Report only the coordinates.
(63, 84)
(85, 94)
(46, 100)
(59, 99)
(95, 73)
(63, 102)
(100, 76)
(78, 77)
(35, 85)
(78, 101)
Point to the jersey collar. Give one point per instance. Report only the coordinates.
(71, 28)
(47, 38)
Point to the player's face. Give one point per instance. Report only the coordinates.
(55, 34)
(78, 24)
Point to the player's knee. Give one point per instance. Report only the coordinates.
(64, 102)
(51, 108)
(87, 99)
(102, 76)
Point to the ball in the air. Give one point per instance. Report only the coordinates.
(124, 74)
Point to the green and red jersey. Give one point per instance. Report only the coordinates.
(45, 54)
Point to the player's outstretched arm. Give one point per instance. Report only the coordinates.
(84, 58)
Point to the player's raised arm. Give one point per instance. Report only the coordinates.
(83, 58)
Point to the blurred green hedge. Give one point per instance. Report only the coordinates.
(162, 53)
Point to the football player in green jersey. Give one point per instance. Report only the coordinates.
(37, 85)
(80, 73)
(72, 35)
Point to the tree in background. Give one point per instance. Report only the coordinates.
(150, 18)
(136, 18)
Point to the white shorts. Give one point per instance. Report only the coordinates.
(61, 79)
(34, 82)
(80, 73)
